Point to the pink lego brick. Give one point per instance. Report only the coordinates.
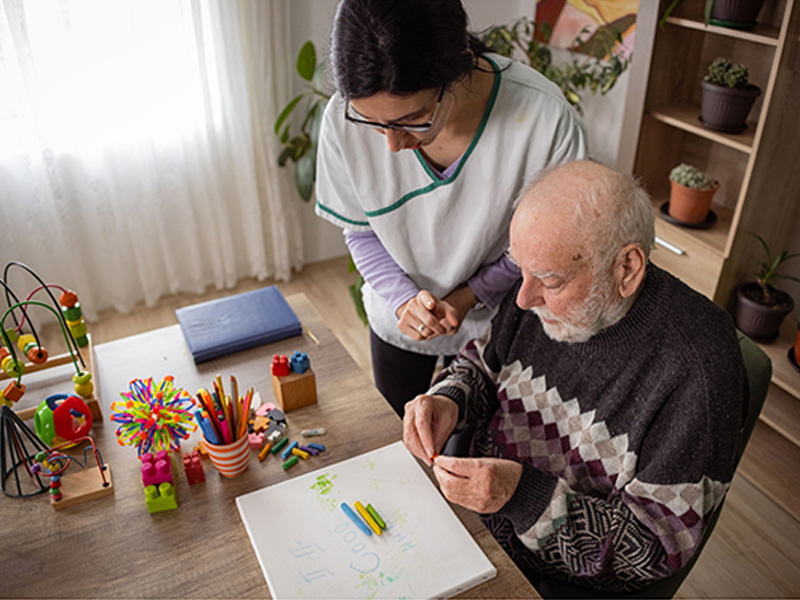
(157, 469)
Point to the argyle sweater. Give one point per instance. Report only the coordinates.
(628, 441)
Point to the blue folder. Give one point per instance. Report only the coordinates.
(235, 323)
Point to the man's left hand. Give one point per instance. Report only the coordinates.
(483, 485)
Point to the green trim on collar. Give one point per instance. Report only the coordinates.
(440, 182)
(340, 217)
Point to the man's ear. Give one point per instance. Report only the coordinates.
(629, 269)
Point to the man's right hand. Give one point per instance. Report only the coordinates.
(427, 423)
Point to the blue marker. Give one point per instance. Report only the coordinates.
(355, 518)
(207, 428)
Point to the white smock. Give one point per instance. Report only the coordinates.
(441, 231)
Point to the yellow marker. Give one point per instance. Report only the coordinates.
(367, 517)
(301, 453)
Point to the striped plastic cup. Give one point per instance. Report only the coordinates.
(231, 459)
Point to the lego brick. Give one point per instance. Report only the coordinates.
(157, 468)
(160, 498)
(193, 467)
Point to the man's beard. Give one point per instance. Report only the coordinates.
(602, 308)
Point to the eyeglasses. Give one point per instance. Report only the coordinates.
(358, 119)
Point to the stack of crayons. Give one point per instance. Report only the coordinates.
(223, 417)
(371, 519)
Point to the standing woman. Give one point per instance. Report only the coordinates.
(423, 148)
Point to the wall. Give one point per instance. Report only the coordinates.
(311, 19)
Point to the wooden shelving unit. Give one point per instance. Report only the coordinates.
(758, 170)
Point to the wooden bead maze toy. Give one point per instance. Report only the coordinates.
(68, 313)
(67, 489)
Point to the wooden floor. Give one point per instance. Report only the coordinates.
(755, 549)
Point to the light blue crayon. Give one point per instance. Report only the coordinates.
(288, 451)
(356, 519)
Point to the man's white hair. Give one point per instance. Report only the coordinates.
(627, 219)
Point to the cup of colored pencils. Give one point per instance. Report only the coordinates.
(222, 417)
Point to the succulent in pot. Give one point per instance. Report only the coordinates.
(728, 96)
(691, 192)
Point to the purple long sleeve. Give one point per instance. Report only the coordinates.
(379, 269)
(492, 281)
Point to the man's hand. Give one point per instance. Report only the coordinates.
(427, 423)
(425, 316)
(483, 485)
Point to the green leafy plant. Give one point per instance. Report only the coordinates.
(572, 77)
(674, 4)
(691, 176)
(768, 269)
(723, 72)
(301, 148)
(355, 292)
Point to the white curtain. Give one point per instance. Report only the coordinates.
(137, 156)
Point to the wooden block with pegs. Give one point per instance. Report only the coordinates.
(295, 390)
(83, 485)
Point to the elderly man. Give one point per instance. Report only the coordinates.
(607, 397)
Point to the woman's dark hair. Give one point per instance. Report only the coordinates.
(400, 46)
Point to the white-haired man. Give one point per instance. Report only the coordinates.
(607, 397)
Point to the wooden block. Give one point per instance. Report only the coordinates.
(82, 485)
(295, 390)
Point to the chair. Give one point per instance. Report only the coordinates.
(759, 374)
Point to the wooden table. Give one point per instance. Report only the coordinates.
(112, 547)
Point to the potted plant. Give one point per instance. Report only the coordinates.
(727, 96)
(301, 149)
(734, 14)
(760, 308)
(691, 191)
(794, 352)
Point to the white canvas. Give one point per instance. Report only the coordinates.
(308, 547)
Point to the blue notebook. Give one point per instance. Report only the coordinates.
(235, 323)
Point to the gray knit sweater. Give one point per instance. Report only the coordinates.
(628, 441)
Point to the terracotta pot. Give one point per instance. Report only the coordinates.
(726, 109)
(689, 205)
(797, 348)
(758, 321)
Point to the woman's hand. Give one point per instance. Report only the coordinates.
(425, 316)
(427, 423)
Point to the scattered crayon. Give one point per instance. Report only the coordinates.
(300, 453)
(367, 517)
(288, 451)
(313, 432)
(263, 454)
(374, 514)
(316, 446)
(311, 451)
(290, 462)
(354, 517)
(281, 443)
